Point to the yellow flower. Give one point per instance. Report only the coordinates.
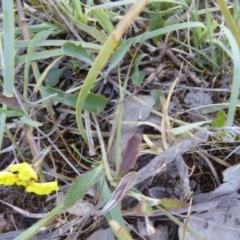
(42, 188)
(25, 171)
(22, 183)
(7, 178)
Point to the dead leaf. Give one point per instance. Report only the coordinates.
(183, 189)
(10, 101)
(129, 156)
(215, 224)
(161, 161)
(106, 234)
(25, 213)
(80, 208)
(124, 185)
(231, 179)
(133, 111)
(197, 99)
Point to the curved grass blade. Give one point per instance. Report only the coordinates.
(235, 81)
(78, 11)
(188, 127)
(102, 58)
(114, 213)
(59, 43)
(102, 18)
(9, 48)
(149, 35)
(8, 58)
(40, 55)
(30, 50)
(34, 229)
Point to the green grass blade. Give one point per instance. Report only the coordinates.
(78, 11)
(34, 229)
(59, 43)
(81, 185)
(30, 50)
(103, 20)
(148, 35)
(98, 64)
(236, 73)
(102, 58)
(114, 213)
(9, 47)
(39, 28)
(40, 55)
(188, 127)
(8, 58)
(119, 54)
(229, 20)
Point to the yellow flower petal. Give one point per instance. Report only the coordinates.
(7, 178)
(42, 188)
(22, 183)
(25, 171)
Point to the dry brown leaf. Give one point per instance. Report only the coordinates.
(159, 162)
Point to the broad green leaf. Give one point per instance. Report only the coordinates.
(81, 185)
(138, 77)
(119, 54)
(96, 100)
(76, 51)
(219, 121)
(94, 103)
(58, 94)
(30, 122)
(156, 22)
(54, 75)
(172, 203)
(71, 100)
(138, 60)
(156, 94)
(103, 19)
